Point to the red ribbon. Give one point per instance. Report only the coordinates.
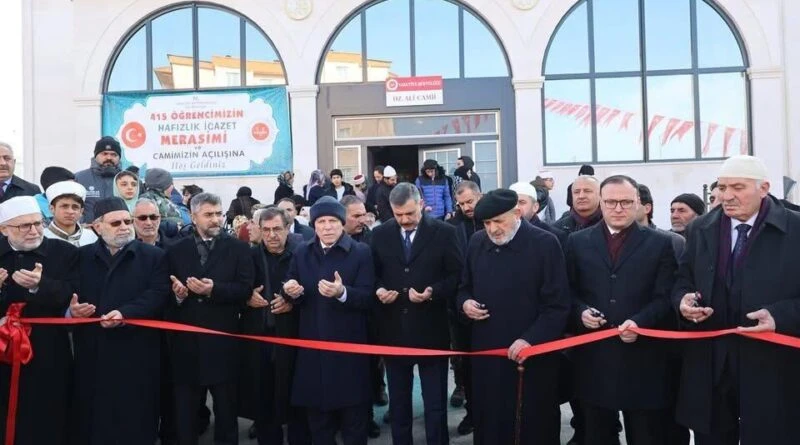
(15, 348)
(14, 337)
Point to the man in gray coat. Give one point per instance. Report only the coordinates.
(99, 177)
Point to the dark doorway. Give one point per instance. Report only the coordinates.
(404, 159)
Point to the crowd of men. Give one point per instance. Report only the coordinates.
(449, 266)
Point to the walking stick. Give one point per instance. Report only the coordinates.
(518, 426)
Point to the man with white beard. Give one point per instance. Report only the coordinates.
(42, 274)
(117, 367)
(515, 292)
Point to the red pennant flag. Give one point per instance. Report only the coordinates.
(444, 129)
(467, 122)
(727, 140)
(456, 125)
(653, 124)
(743, 143)
(625, 121)
(582, 111)
(476, 121)
(682, 130)
(611, 116)
(712, 128)
(548, 102)
(573, 109)
(671, 124)
(601, 113)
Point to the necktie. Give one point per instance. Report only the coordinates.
(738, 248)
(407, 244)
(325, 250)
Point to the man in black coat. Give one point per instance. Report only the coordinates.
(43, 274)
(740, 269)
(117, 367)
(266, 373)
(467, 196)
(12, 185)
(514, 299)
(289, 206)
(377, 180)
(621, 275)
(382, 194)
(585, 211)
(418, 261)
(212, 278)
(330, 282)
(356, 219)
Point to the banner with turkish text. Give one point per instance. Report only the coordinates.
(231, 133)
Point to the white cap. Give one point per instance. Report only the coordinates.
(18, 206)
(389, 171)
(64, 188)
(524, 188)
(545, 174)
(744, 166)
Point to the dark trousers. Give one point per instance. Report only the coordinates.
(350, 421)
(461, 339)
(189, 397)
(642, 427)
(271, 433)
(433, 379)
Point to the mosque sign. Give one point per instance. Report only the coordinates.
(409, 91)
(232, 133)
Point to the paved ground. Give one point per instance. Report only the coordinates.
(454, 417)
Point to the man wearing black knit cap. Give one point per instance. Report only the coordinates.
(99, 177)
(330, 282)
(684, 209)
(524, 302)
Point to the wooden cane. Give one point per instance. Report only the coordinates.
(518, 426)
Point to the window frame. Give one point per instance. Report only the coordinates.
(147, 24)
(643, 74)
(362, 13)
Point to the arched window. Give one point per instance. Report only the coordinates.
(194, 46)
(392, 38)
(645, 80)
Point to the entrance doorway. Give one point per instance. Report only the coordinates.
(407, 159)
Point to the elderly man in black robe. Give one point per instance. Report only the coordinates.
(41, 273)
(514, 290)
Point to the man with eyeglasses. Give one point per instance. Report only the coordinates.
(117, 367)
(43, 274)
(266, 379)
(212, 278)
(66, 206)
(620, 276)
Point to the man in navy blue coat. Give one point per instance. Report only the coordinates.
(514, 290)
(621, 275)
(330, 282)
(418, 261)
(117, 367)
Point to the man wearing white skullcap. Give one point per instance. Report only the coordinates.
(740, 270)
(66, 200)
(530, 200)
(42, 274)
(382, 194)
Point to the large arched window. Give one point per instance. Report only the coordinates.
(194, 46)
(391, 38)
(645, 80)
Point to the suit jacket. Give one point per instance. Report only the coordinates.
(613, 374)
(768, 384)
(436, 261)
(206, 359)
(20, 187)
(328, 380)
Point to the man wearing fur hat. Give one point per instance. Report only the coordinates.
(98, 179)
(66, 206)
(739, 269)
(42, 274)
(524, 302)
(683, 210)
(330, 282)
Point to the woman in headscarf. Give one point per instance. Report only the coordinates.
(242, 205)
(317, 187)
(126, 186)
(284, 190)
